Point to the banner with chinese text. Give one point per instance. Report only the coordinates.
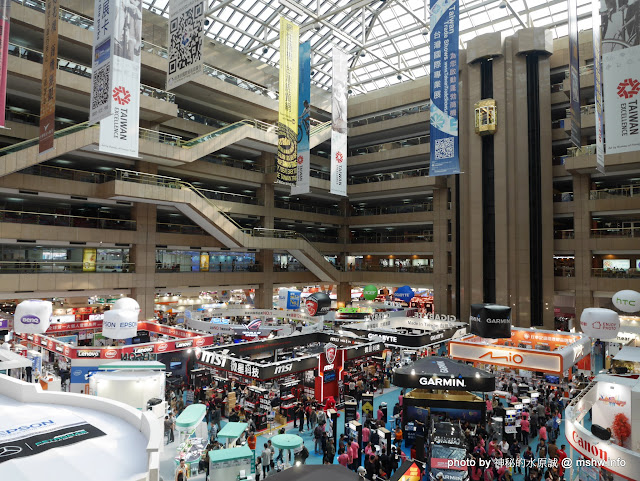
(49, 70)
(339, 123)
(597, 85)
(186, 21)
(101, 63)
(304, 122)
(5, 11)
(574, 73)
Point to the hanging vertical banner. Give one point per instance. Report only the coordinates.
(304, 122)
(574, 72)
(339, 123)
(444, 23)
(287, 157)
(186, 21)
(101, 63)
(49, 68)
(597, 85)
(621, 97)
(119, 131)
(5, 11)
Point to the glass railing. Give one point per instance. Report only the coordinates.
(399, 144)
(171, 228)
(229, 196)
(563, 234)
(297, 206)
(584, 110)
(319, 174)
(65, 15)
(67, 174)
(33, 142)
(401, 112)
(84, 71)
(584, 70)
(579, 151)
(564, 271)
(201, 119)
(64, 220)
(563, 197)
(160, 137)
(557, 88)
(615, 273)
(381, 238)
(291, 267)
(217, 268)
(239, 82)
(63, 267)
(612, 192)
(616, 232)
(403, 174)
(411, 269)
(32, 119)
(394, 209)
(229, 162)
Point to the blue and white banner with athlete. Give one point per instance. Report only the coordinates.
(304, 121)
(444, 88)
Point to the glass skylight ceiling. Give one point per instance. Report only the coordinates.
(386, 38)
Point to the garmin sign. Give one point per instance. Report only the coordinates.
(490, 321)
(438, 382)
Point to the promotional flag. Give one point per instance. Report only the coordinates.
(287, 157)
(339, 123)
(574, 72)
(49, 68)
(119, 131)
(304, 121)
(101, 62)
(444, 88)
(5, 11)
(186, 21)
(621, 97)
(597, 85)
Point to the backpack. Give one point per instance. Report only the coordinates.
(317, 432)
(304, 454)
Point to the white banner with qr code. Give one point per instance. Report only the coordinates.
(101, 103)
(186, 20)
(119, 131)
(339, 123)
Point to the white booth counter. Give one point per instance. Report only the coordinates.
(131, 388)
(64, 436)
(50, 382)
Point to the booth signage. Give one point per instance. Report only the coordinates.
(88, 353)
(490, 321)
(75, 326)
(330, 351)
(443, 373)
(434, 381)
(509, 357)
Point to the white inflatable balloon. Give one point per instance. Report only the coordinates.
(598, 323)
(627, 300)
(127, 303)
(120, 324)
(32, 317)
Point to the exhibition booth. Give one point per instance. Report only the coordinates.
(627, 359)
(60, 436)
(443, 387)
(611, 440)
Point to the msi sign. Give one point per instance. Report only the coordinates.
(330, 352)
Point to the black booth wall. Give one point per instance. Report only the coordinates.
(473, 412)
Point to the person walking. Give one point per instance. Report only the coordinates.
(317, 436)
(168, 429)
(182, 473)
(524, 430)
(329, 452)
(265, 460)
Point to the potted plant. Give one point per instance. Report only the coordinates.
(621, 428)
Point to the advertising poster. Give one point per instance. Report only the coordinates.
(574, 72)
(304, 122)
(621, 96)
(204, 262)
(287, 158)
(339, 123)
(119, 131)
(620, 24)
(444, 88)
(89, 260)
(49, 69)
(597, 86)
(186, 21)
(5, 11)
(101, 63)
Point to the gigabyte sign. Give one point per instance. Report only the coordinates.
(88, 353)
(183, 344)
(442, 382)
(446, 440)
(384, 337)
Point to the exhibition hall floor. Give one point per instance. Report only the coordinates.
(390, 396)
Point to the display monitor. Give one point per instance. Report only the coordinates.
(174, 366)
(552, 379)
(329, 376)
(616, 264)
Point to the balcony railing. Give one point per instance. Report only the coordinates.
(563, 197)
(394, 209)
(201, 119)
(403, 174)
(172, 228)
(616, 232)
(411, 269)
(584, 150)
(584, 70)
(564, 271)
(64, 220)
(63, 267)
(563, 234)
(316, 209)
(584, 110)
(380, 238)
(615, 273)
(612, 192)
(33, 119)
(401, 112)
(399, 144)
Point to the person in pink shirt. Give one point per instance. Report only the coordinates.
(514, 399)
(343, 458)
(542, 433)
(492, 447)
(366, 435)
(368, 450)
(524, 427)
(355, 452)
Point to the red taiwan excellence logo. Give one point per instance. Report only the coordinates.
(628, 88)
(300, 159)
(121, 95)
(339, 157)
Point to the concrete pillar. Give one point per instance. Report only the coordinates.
(441, 248)
(264, 292)
(343, 294)
(582, 235)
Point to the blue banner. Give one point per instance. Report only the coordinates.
(444, 20)
(304, 121)
(574, 73)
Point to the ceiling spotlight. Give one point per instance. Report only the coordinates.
(425, 32)
(207, 22)
(265, 50)
(317, 26)
(350, 91)
(399, 77)
(362, 54)
(503, 4)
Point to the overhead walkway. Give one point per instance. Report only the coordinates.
(154, 145)
(192, 202)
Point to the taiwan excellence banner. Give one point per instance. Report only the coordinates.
(574, 73)
(119, 131)
(304, 121)
(339, 123)
(621, 96)
(186, 21)
(597, 85)
(49, 69)
(5, 11)
(444, 88)
(287, 158)
(101, 63)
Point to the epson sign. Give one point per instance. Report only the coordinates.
(442, 382)
(26, 427)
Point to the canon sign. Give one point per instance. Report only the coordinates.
(442, 382)
(589, 448)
